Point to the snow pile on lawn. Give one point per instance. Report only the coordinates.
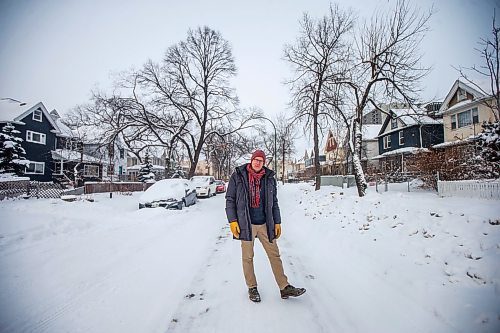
(437, 254)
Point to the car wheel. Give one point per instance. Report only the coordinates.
(180, 205)
(209, 194)
(141, 206)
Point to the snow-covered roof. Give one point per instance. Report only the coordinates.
(10, 109)
(409, 117)
(405, 150)
(414, 117)
(74, 156)
(454, 143)
(370, 132)
(65, 130)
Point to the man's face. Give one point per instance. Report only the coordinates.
(257, 163)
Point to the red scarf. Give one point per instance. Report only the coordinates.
(254, 184)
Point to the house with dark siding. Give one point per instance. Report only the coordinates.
(53, 151)
(39, 133)
(406, 131)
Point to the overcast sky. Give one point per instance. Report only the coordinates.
(57, 51)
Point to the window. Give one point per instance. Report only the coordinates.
(475, 116)
(461, 95)
(453, 121)
(394, 123)
(35, 168)
(37, 115)
(91, 171)
(387, 141)
(464, 118)
(401, 138)
(35, 137)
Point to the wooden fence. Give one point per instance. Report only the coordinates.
(95, 187)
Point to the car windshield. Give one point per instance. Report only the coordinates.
(200, 180)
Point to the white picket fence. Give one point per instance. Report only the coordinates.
(486, 189)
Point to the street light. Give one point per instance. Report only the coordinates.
(275, 150)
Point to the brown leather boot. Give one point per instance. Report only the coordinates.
(291, 291)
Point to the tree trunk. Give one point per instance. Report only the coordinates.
(317, 170)
(283, 165)
(355, 146)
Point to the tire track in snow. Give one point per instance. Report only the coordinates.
(195, 303)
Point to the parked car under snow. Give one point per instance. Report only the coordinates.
(168, 193)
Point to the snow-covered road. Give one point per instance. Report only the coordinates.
(384, 263)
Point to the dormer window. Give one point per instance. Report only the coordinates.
(461, 94)
(394, 123)
(37, 115)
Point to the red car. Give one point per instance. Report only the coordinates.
(221, 186)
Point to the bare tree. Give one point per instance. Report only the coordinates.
(387, 66)
(193, 82)
(319, 59)
(489, 49)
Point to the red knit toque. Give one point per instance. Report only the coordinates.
(258, 153)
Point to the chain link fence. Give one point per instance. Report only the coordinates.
(29, 188)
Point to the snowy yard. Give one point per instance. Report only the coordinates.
(390, 262)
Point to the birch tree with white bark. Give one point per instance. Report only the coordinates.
(387, 66)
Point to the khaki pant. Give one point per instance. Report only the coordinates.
(272, 252)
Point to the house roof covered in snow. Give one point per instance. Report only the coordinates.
(65, 130)
(10, 109)
(408, 117)
(404, 151)
(370, 132)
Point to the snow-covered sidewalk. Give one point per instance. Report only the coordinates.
(391, 262)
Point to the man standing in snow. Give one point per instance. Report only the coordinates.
(253, 212)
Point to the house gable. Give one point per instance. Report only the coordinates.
(27, 116)
(458, 93)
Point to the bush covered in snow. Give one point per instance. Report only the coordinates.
(12, 158)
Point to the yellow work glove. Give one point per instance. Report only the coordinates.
(235, 229)
(277, 230)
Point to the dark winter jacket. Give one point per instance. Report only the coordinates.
(238, 203)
